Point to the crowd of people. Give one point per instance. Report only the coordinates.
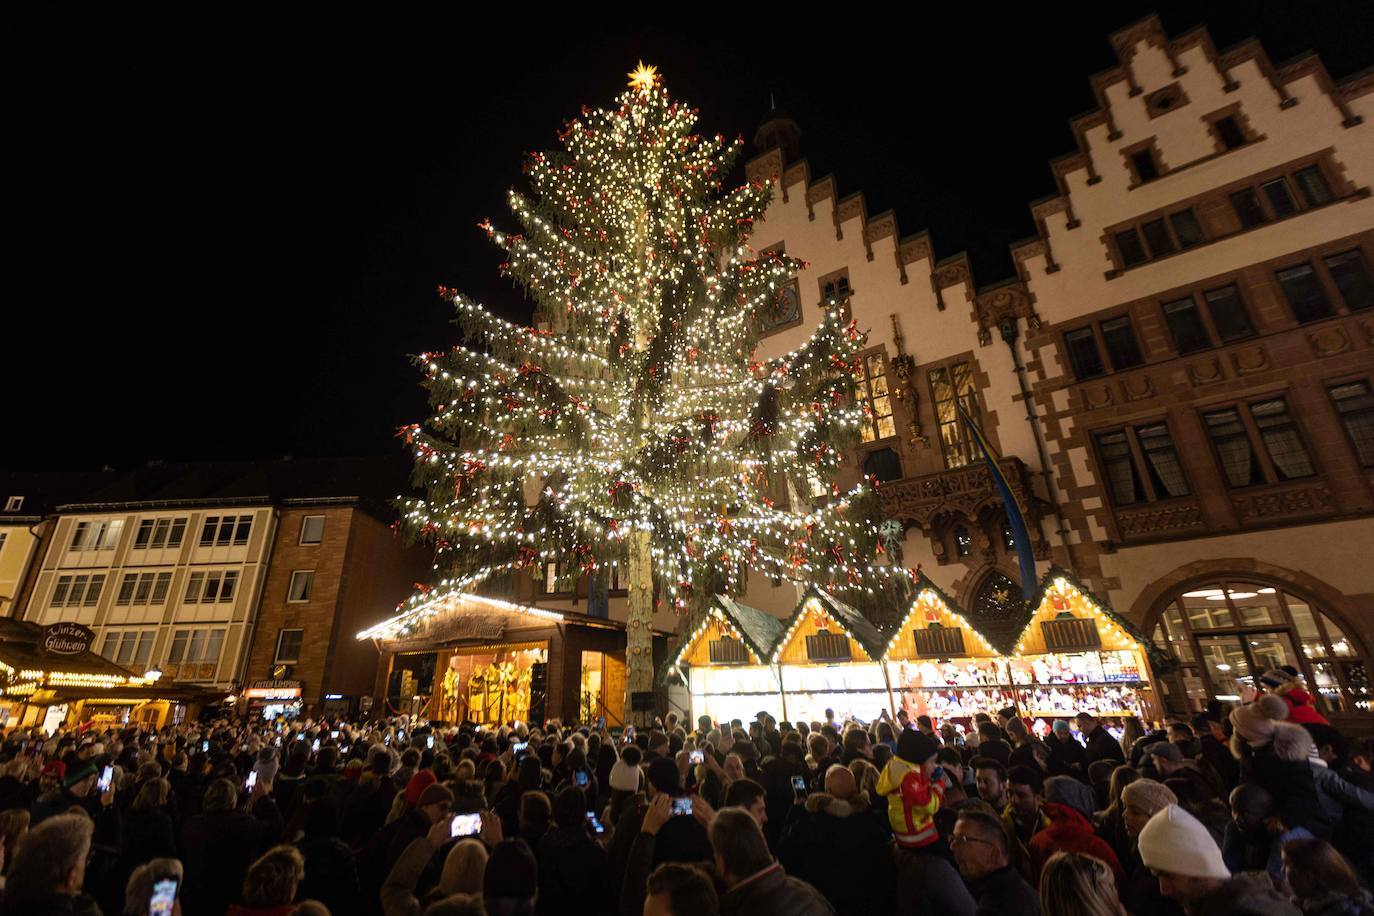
(1263, 808)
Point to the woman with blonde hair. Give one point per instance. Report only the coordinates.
(865, 777)
(463, 869)
(1074, 884)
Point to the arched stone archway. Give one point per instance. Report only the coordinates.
(1228, 620)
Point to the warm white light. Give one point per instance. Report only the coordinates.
(1203, 593)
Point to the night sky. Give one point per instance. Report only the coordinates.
(228, 236)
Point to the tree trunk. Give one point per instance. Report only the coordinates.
(639, 641)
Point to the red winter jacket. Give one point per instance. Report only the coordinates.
(1300, 708)
(1069, 831)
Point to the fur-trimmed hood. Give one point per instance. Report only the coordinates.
(1292, 742)
(824, 803)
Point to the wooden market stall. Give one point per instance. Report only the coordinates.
(829, 657)
(940, 665)
(489, 661)
(1075, 654)
(725, 658)
(49, 677)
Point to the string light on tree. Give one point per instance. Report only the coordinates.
(633, 425)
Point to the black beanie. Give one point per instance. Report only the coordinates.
(915, 747)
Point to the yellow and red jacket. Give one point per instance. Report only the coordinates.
(912, 800)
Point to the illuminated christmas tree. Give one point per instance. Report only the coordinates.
(633, 426)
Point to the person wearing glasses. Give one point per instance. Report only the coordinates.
(982, 852)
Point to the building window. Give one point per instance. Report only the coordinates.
(1144, 165)
(77, 590)
(1186, 228)
(951, 388)
(1185, 324)
(1083, 353)
(1140, 464)
(302, 581)
(1247, 206)
(1280, 199)
(1119, 338)
(212, 587)
(550, 583)
(1157, 236)
(1355, 406)
(1350, 273)
(289, 646)
(1229, 132)
(1313, 185)
(157, 533)
(1223, 321)
(877, 421)
(99, 535)
(1229, 631)
(835, 286)
(1305, 294)
(1132, 251)
(14, 504)
(1008, 538)
(130, 649)
(143, 589)
(226, 530)
(1258, 443)
(312, 529)
(191, 647)
(963, 544)
(883, 465)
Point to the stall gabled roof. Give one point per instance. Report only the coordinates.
(1156, 655)
(864, 631)
(760, 629)
(923, 584)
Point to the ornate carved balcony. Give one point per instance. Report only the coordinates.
(932, 500)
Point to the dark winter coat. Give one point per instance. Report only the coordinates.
(1003, 892)
(1246, 894)
(331, 876)
(574, 874)
(1067, 758)
(1102, 746)
(218, 848)
(843, 851)
(53, 905)
(1293, 788)
(772, 893)
(1140, 893)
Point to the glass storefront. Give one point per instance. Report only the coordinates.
(1227, 633)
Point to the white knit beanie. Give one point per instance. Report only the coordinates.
(1176, 842)
(624, 777)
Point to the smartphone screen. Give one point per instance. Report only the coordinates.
(334, 734)
(106, 777)
(316, 746)
(279, 741)
(518, 747)
(465, 825)
(164, 897)
(596, 824)
(682, 805)
(799, 786)
(252, 779)
(697, 757)
(580, 777)
(205, 746)
(429, 741)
